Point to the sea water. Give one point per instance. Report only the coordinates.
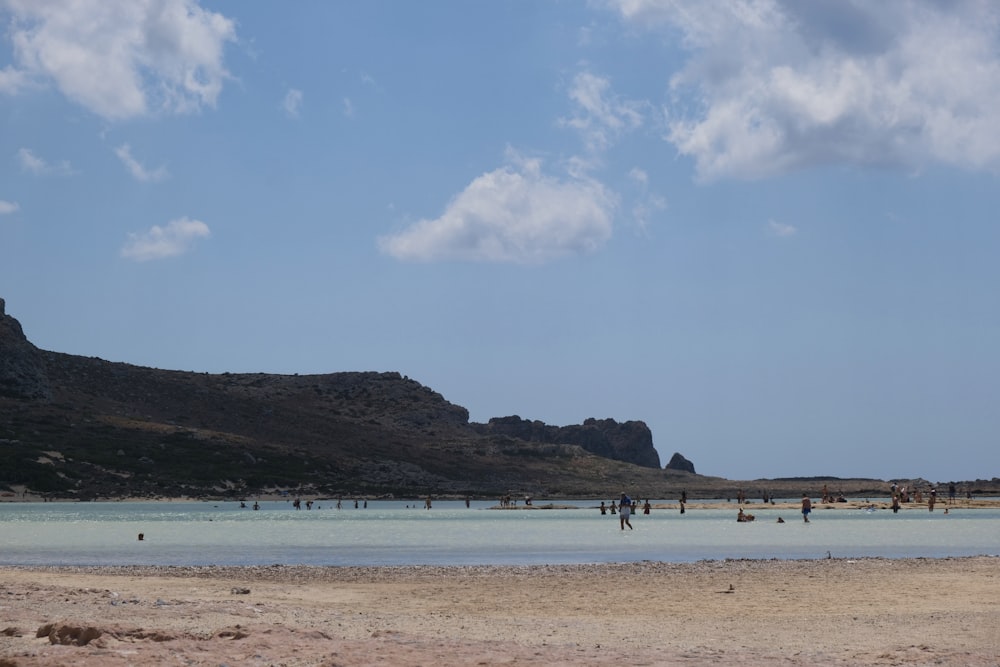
(405, 533)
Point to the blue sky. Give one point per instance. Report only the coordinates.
(767, 229)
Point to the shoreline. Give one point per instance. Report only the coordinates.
(568, 504)
(913, 611)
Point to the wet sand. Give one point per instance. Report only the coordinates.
(830, 612)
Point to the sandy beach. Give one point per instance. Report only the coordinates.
(831, 612)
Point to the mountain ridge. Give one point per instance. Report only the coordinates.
(86, 428)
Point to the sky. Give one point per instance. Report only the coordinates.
(766, 228)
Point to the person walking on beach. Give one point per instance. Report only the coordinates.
(807, 507)
(624, 511)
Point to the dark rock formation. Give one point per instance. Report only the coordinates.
(678, 462)
(629, 441)
(22, 370)
(86, 428)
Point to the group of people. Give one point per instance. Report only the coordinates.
(900, 494)
(625, 508)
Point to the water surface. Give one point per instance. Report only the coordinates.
(404, 533)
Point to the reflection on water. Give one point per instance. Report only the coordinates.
(403, 533)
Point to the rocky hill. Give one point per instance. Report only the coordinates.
(86, 428)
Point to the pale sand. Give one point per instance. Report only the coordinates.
(825, 612)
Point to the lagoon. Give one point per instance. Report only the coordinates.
(398, 533)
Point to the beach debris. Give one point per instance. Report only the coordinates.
(11, 631)
(232, 633)
(236, 590)
(66, 634)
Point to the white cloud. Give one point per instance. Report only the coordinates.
(293, 102)
(779, 229)
(8, 207)
(639, 176)
(600, 116)
(36, 165)
(645, 208)
(176, 238)
(513, 214)
(12, 80)
(138, 171)
(121, 58)
(773, 85)
(348, 107)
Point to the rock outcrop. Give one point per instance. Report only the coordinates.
(678, 462)
(22, 369)
(83, 427)
(629, 441)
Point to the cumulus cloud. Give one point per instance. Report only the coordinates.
(773, 85)
(136, 168)
(775, 228)
(176, 238)
(293, 102)
(599, 115)
(120, 58)
(37, 165)
(8, 207)
(515, 213)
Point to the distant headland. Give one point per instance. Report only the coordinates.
(85, 428)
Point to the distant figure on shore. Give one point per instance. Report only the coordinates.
(744, 517)
(952, 492)
(895, 503)
(682, 506)
(807, 507)
(614, 508)
(256, 505)
(427, 503)
(604, 508)
(931, 499)
(467, 501)
(625, 510)
(646, 507)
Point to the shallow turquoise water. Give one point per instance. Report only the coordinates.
(403, 533)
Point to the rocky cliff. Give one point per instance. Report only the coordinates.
(86, 427)
(22, 369)
(629, 441)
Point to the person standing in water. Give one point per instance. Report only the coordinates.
(807, 507)
(624, 511)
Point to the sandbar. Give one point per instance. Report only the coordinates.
(868, 611)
